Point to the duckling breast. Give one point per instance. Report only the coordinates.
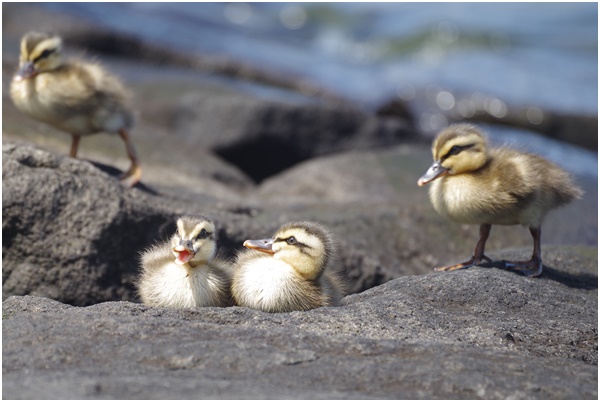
(210, 287)
(464, 199)
(177, 286)
(456, 198)
(271, 285)
(167, 287)
(26, 98)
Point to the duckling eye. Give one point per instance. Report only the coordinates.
(455, 150)
(203, 234)
(291, 241)
(44, 54)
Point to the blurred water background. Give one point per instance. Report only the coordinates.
(538, 55)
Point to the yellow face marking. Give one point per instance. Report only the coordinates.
(462, 141)
(24, 54)
(180, 228)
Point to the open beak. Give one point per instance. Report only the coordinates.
(183, 252)
(264, 245)
(436, 170)
(26, 70)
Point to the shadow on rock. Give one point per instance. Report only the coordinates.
(582, 280)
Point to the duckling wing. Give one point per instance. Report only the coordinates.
(222, 274)
(332, 287)
(524, 187)
(87, 92)
(156, 257)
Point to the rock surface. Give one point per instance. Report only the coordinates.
(72, 233)
(72, 237)
(471, 334)
(240, 128)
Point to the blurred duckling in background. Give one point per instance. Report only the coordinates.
(183, 272)
(474, 184)
(78, 97)
(288, 272)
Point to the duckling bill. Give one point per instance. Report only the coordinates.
(288, 272)
(75, 96)
(474, 184)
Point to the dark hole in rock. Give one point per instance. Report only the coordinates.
(262, 157)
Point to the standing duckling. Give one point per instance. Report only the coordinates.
(474, 184)
(78, 97)
(184, 272)
(288, 272)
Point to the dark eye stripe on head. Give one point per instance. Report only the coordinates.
(456, 149)
(45, 53)
(291, 242)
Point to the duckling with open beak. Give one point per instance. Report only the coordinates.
(184, 271)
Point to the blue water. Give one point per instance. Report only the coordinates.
(542, 54)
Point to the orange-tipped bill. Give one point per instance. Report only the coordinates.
(436, 170)
(264, 245)
(183, 254)
(26, 70)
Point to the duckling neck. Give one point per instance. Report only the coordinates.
(306, 269)
(195, 264)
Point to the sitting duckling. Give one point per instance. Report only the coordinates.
(78, 97)
(475, 184)
(184, 272)
(288, 272)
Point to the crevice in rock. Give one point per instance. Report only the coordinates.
(262, 157)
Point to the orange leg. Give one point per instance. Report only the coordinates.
(533, 267)
(74, 146)
(134, 174)
(478, 254)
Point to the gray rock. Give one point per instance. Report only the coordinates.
(63, 222)
(264, 137)
(72, 233)
(471, 334)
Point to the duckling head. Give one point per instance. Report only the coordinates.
(305, 246)
(40, 52)
(460, 148)
(195, 240)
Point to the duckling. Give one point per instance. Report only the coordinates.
(183, 272)
(75, 96)
(475, 184)
(288, 272)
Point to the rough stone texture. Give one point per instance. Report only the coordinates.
(62, 227)
(71, 233)
(472, 334)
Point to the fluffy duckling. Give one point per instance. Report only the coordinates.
(288, 272)
(78, 97)
(472, 183)
(183, 272)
